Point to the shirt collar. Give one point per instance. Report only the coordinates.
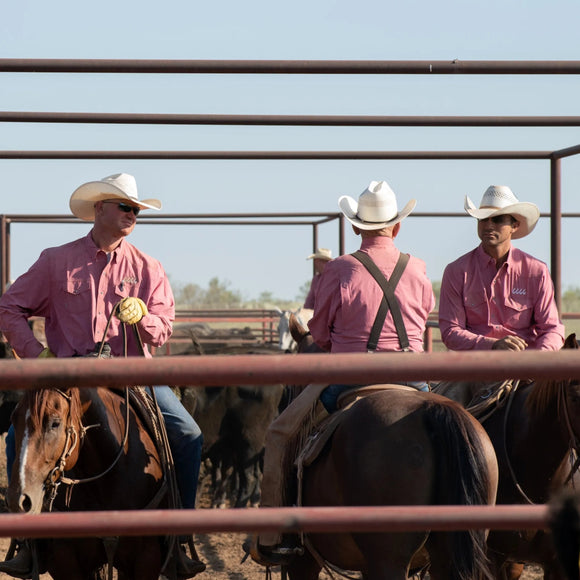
(377, 242)
(94, 250)
(487, 260)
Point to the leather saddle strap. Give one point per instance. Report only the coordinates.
(389, 300)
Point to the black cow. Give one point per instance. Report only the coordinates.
(234, 421)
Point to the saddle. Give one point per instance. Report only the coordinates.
(481, 398)
(322, 432)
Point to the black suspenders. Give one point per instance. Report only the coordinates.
(389, 300)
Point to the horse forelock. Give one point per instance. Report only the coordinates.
(42, 402)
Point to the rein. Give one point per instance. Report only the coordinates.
(574, 443)
(54, 480)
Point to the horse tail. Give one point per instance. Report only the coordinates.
(462, 479)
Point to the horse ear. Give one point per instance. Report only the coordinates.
(571, 341)
(297, 331)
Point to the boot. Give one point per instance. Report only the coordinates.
(22, 564)
(184, 566)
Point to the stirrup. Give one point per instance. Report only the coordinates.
(277, 555)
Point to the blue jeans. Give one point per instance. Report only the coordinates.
(185, 440)
(329, 397)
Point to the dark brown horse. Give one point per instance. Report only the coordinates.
(75, 450)
(536, 435)
(399, 447)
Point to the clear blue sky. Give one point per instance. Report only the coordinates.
(256, 259)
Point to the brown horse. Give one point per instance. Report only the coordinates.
(91, 442)
(399, 447)
(536, 435)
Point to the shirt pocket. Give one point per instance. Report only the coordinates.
(476, 309)
(519, 311)
(77, 295)
(127, 286)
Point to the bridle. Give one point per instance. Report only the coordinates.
(573, 446)
(56, 475)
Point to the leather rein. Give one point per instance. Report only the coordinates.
(573, 446)
(74, 437)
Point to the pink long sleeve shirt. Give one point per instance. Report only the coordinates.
(348, 299)
(310, 298)
(75, 287)
(479, 304)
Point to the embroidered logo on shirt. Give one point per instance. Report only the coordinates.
(519, 291)
(129, 280)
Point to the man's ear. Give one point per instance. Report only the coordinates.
(355, 230)
(396, 229)
(515, 226)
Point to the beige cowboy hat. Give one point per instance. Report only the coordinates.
(376, 207)
(321, 254)
(500, 200)
(120, 186)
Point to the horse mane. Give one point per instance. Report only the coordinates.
(41, 402)
(545, 391)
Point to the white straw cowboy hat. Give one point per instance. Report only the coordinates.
(321, 254)
(376, 207)
(500, 200)
(121, 186)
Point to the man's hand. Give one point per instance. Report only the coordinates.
(46, 353)
(510, 343)
(131, 310)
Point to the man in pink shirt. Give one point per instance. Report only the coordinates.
(76, 288)
(321, 257)
(496, 296)
(357, 309)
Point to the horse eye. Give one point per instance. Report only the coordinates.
(53, 423)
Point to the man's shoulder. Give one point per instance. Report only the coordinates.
(138, 256)
(460, 262)
(65, 249)
(531, 263)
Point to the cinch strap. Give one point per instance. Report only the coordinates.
(389, 300)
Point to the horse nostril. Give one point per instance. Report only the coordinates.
(25, 503)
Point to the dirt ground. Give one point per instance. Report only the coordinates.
(222, 553)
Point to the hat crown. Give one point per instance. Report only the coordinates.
(498, 196)
(124, 182)
(377, 203)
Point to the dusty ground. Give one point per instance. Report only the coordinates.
(221, 552)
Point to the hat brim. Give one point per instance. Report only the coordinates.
(526, 213)
(319, 257)
(349, 207)
(83, 199)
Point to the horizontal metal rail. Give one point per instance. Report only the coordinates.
(349, 368)
(311, 519)
(292, 120)
(286, 155)
(428, 67)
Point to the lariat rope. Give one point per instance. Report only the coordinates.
(53, 480)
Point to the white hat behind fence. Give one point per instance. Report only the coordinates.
(321, 254)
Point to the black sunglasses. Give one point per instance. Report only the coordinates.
(126, 208)
(499, 219)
